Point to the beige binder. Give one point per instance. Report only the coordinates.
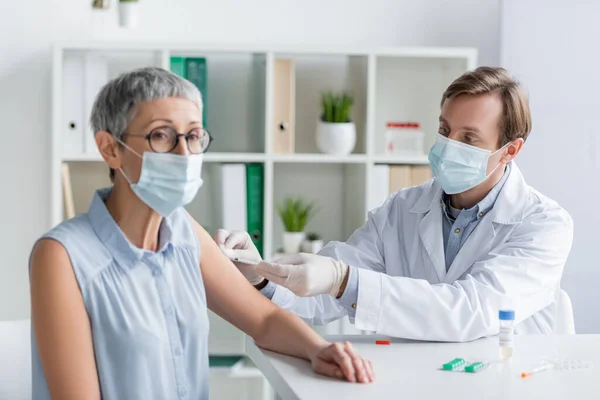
(420, 174)
(284, 95)
(400, 177)
(67, 191)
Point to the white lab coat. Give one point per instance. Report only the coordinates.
(514, 257)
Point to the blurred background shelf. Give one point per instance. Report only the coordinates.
(234, 157)
(319, 158)
(399, 160)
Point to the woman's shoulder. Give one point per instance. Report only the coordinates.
(76, 239)
(73, 232)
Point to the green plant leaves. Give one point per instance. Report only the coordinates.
(336, 107)
(312, 236)
(295, 214)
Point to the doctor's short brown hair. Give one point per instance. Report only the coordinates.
(515, 121)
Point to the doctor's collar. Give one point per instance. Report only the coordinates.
(509, 206)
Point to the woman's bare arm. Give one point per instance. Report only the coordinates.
(231, 296)
(61, 325)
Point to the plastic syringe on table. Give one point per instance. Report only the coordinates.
(564, 364)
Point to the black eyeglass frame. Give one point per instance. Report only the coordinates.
(148, 137)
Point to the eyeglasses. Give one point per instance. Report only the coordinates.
(165, 139)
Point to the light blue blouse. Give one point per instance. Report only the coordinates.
(147, 310)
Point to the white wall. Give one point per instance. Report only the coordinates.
(28, 29)
(557, 60)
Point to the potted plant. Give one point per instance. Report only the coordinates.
(336, 133)
(128, 13)
(313, 243)
(294, 214)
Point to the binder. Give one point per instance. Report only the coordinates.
(178, 66)
(95, 76)
(73, 125)
(387, 179)
(68, 200)
(196, 72)
(284, 96)
(400, 177)
(232, 196)
(420, 174)
(255, 203)
(379, 186)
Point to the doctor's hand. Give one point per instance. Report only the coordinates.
(306, 274)
(238, 244)
(340, 360)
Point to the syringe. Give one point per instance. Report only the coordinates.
(544, 367)
(243, 261)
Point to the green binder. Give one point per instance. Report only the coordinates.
(223, 361)
(195, 69)
(178, 66)
(255, 203)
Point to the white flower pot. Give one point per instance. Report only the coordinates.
(336, 138)
(312, 246)
(129, 13)
(292, 242)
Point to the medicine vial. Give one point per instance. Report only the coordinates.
(507, 328)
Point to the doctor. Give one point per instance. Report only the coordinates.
(437, 261)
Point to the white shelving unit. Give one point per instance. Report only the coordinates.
(389, 84)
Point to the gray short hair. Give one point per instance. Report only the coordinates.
(116, 103)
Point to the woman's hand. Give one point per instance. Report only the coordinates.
(340, 360)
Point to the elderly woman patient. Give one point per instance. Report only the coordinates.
(120, 295)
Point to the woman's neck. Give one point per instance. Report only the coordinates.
(139, 223)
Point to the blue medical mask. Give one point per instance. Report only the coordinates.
(459, 166)
(167, 181)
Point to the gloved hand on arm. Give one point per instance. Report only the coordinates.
(238, 244)
(306, 274)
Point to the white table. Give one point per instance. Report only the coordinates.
(410, 370)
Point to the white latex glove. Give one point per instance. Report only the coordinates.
(306, 274)
(239, 244)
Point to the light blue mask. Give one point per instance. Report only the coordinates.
(458, 166)
(167, 181)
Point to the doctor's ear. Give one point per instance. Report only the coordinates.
(109, 149)
(512, 149)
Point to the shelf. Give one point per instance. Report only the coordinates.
(283, 158)
(208, 157)
(320, 158)
(401, 160)
(82, 157)
(182, 47)
(234, 157)
(246, 369)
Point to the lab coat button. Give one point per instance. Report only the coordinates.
(457, 230)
